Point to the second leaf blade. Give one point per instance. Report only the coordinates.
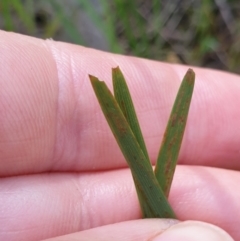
(170, 147)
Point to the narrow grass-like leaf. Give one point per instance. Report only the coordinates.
(170, 147)
(143, 175)
(69, 26)
(6, 14)
(23, 13)
(123, 97)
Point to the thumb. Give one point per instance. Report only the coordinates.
(151, 229)
(193, 231)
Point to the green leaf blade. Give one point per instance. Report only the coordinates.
(143, 176)
(170, 147)
(123, 97)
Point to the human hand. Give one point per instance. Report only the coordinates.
(62, 171)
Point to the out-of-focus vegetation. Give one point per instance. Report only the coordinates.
(201, 32)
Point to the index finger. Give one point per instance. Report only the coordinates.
(51, 121)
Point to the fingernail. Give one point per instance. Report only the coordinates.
(193, 231)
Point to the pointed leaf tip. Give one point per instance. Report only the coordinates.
(190, 76)
(171, 144)
(92, 78)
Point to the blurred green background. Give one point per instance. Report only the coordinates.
(201, 32)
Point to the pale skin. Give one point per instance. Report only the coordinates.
(61, 169)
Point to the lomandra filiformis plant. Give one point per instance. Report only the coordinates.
(152, 186)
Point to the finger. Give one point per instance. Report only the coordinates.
(51, 121)
(149, 229)
(43, 206)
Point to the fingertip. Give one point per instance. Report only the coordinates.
(193, 231)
